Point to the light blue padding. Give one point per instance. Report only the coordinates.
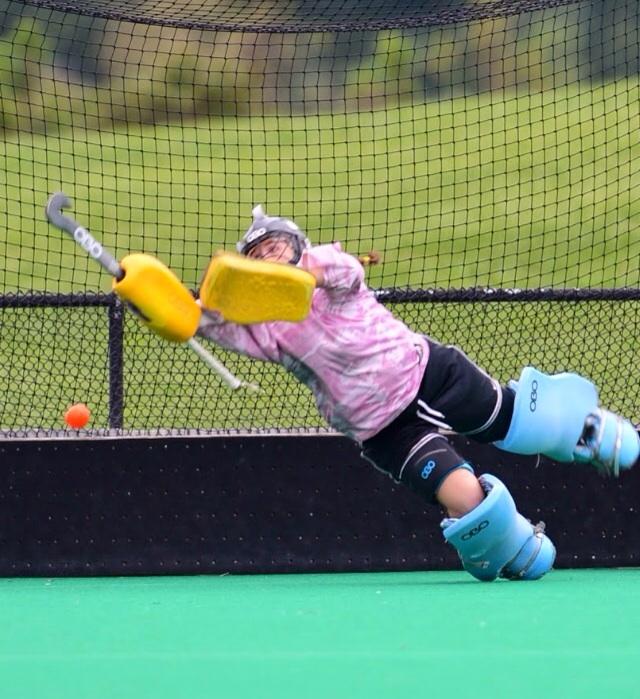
(618, 440)
(549, 414)
(494, 539)
(611, 443)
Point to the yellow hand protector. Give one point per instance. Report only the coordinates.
(164, 304)
(247, 291)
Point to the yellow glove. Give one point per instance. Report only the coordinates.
(247, 291)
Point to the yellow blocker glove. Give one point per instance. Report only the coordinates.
(249, 291)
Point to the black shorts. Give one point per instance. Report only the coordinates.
(456, 396)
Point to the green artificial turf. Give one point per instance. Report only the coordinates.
(572, 634)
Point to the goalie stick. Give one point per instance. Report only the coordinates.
(81, 235)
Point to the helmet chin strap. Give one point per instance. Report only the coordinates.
(296, 248)
(297, 256)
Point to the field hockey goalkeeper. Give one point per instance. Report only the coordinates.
(397, 393)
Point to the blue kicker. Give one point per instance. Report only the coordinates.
(549, 414)
(494, 539)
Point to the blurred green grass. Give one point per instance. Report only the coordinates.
(498, 189)
(495, 189)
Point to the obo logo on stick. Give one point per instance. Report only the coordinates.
(89, 243)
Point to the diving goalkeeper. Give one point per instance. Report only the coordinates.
(397, 393)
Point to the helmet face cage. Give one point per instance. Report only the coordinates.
(265, 227)
(293, 241)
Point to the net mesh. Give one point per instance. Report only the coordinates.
(488, 150)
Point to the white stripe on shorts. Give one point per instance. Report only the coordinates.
(430, 415)
(429, 410)
(495, 412)
(437, 423)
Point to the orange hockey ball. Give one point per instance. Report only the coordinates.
(77, 415)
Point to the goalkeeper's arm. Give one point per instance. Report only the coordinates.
(254, 341)
(335, 270)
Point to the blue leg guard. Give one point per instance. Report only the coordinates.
(558, 416)
(495, 540)
(608, 442)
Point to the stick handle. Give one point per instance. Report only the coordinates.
(220, 369)
(81, 235)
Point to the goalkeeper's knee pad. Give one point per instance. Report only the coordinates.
(495, 540)
(558, 416)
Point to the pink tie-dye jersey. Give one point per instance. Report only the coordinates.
(362, 364)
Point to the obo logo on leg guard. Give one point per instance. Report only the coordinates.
(513, 549)
(533, 399)
(476, 530)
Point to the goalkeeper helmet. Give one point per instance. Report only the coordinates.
(264, 227)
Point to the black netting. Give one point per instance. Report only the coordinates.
(488, 150)
(304, 15)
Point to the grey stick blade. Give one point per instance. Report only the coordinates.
(81, 235)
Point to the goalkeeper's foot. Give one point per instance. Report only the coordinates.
(608, 442)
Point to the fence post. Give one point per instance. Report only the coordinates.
(116, 362)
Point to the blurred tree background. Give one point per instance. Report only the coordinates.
(148, 62)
